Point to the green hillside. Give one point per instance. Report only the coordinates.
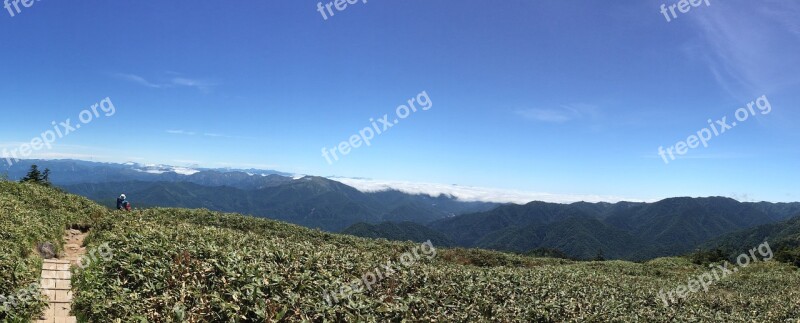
(400, 231)
(784, 236)
(173, 265)
(31, 214)
(580, 237)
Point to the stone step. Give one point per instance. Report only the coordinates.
(57, 284)
(70, 319)
(55, 266)
(58, 296)
(57, 313)
(56, 274)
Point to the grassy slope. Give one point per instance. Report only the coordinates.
(201, 265)
(197, 265)
(399, 231)
(32, 214)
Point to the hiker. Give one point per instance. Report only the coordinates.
(120, 199)
(123, 204)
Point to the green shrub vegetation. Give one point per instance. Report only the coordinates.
(399, 231)
(788, 255)
(547, 252)
(31, 214)
(174, 265)
(706, 257)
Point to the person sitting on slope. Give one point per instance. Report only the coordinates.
(120, 202)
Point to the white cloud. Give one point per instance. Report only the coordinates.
(139, 80)
(219, 135)
(547, 115)
(161, 169)
(61, 155)
(749, 47)
(561, 114)
(201, 85)
(60, 151)
(742, 197)
(181, 132)
(207, 134)
(468, 193)
(151, 171)
(173, 82)
(185, 171)
(12, 144)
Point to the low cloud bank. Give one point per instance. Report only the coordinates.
(469, 193)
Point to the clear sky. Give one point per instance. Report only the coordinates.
(564, 97)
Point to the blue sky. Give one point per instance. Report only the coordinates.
(563, 97)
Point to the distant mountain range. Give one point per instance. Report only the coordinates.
(623, 230)
(67, 172)
(314, 202)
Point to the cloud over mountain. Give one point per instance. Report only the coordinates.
(470, 193)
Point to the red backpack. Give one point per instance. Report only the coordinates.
(127, 206)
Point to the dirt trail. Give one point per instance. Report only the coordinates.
(56, 275)
(73, 246)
